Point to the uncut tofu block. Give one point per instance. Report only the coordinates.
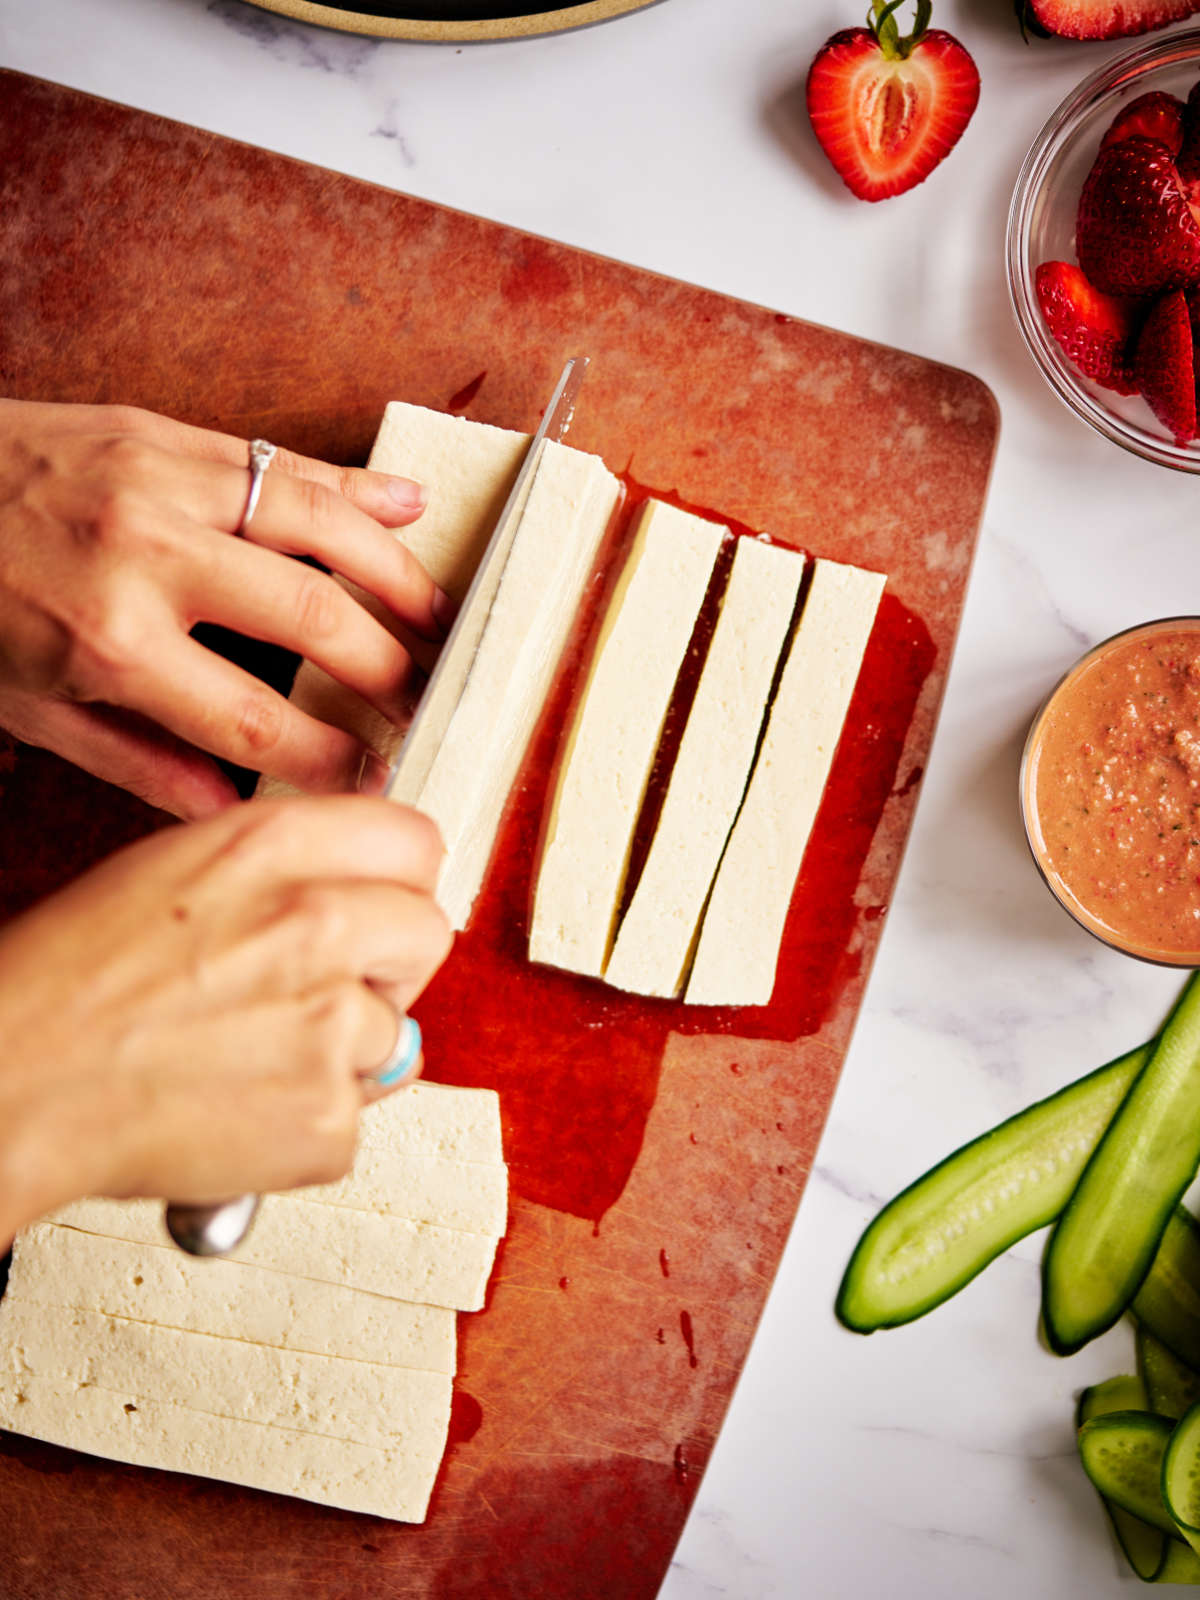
(738, 950)
(611, 746)
(658, 931)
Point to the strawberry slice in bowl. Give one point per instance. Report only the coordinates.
(1094, 329)
(887, 108)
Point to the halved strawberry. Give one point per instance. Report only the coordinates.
(1165, 364)
(1135, 233)
(1151, 116)
(1093, 329)
(887, 109)
(1106, 19)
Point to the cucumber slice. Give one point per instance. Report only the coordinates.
(1168, 1303)
(1180, 1564)
(1171, 1387)
(1181, 1476)
(947, 1226)
(1122, 1453)
(1106, 1239)
(1144, 1547)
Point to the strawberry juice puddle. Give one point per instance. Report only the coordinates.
(1110, 789)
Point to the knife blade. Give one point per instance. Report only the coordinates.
(215, 1230)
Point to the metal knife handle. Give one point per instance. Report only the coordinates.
(211, 1230)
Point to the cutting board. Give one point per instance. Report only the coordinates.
(658, 1154)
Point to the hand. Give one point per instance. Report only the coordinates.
(194, 1017)
(115, 540)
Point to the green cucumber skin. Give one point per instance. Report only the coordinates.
(866, 1302)
(1105, 1241)
(1168, 1303)
(1171, 1386)
(1143, 1547)
(1137, 1489)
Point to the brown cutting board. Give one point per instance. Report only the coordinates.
(657, 1155)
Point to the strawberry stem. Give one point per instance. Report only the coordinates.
(881, 19)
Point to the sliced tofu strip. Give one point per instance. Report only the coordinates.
(159, 1284)
(476, 756)
(434, 1119)
(468, 1195)
(468, 469)
(658, 932)
(331, 1244)
(738, 950)
(610, 750)
(392, 1483)
(339, 1399)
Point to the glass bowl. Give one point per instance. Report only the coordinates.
(1041, 227)
(1131, 863)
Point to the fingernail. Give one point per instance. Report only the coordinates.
(411, 496)
(372, 774)
(444, 610)
(404, 1057)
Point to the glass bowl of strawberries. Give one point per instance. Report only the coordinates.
(1104, 250)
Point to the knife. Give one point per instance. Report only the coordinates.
(215, 1230)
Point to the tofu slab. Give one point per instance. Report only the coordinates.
(738, 949)
(658, 931)
(156, 1283)
(330, 1244)
(392, 1483)
(359, 1401)
(467, 1195)
(478, 756)
(610, 750)
(433, 1119)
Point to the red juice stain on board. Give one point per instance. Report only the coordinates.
(577, 1063)
(461, 400)
(689, 1337)
(910, 783)
(466, 1417)
(661, 1336)
(664, 1262)
(564, 1283)
(538, 270)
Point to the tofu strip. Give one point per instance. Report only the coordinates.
(327, 1395)
(394, 1483)
(738, 950)
(158, 1284)
(329, 1244)
(525, 626)
(611, 747)
(658, 932)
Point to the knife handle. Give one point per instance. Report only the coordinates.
(211, 1230)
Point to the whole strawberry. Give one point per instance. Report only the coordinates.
(1135, 233)
(887, 108)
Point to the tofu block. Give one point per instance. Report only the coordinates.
(358, 1401)
(610, 750)
(331, 1244)
(469, 755)
(152, 1283)
(738, 949)
(395, 1483)
(433, 1119)
(467, 1195)
(468, 469)
(659, 929)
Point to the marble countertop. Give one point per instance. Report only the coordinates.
(937, 1460)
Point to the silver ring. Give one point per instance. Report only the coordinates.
(261, 456)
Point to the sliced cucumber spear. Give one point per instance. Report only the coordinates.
(944, 1229)
(1168, 1303)
(1122, 1453)
(1104, 1242)
(1171, 1387)
(1142, 1544)
(1181, 1476)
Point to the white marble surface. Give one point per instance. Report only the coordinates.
(934, 1461)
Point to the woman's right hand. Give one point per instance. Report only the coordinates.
(198, 1016)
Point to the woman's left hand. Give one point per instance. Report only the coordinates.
(117, 536)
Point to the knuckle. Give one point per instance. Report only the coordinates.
(123, 419)
(316, 501)
(318, 915)
(348, 482)
(318, 606)
(259, 721)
